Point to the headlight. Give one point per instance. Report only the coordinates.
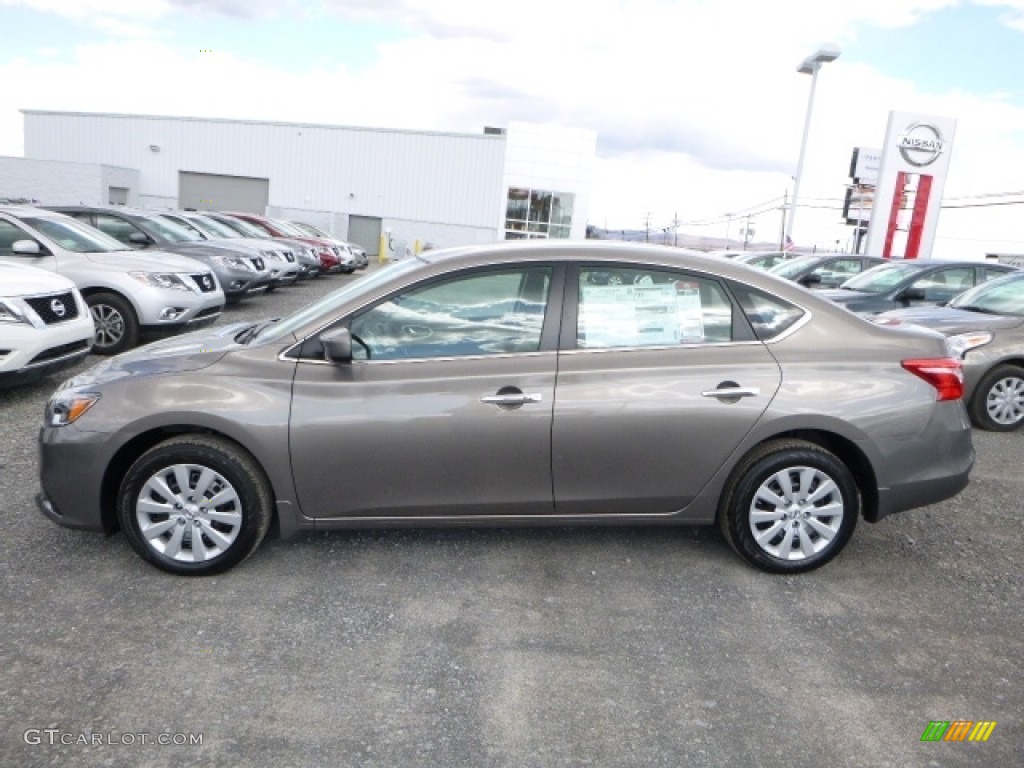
(963, 343)
(161, 280)
(11, 314)
(66, 407)
(233, 261)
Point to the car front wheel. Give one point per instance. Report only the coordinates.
(791, 506)
(117, 327)
(195, 505)
(998, 402)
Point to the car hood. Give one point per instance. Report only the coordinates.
(211, 248)
(189, 352)
(948, 320)
(16, 280)
(147, 261)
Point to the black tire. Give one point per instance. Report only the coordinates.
(229, 531)
(819, 526)
(117, 325)
(998, 401)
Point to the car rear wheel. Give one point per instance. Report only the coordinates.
(195, 505)
(791, 506)
(998, 401)
(117, 327)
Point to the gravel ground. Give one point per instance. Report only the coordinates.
(547, 647)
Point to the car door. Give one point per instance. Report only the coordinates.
(644, 409)
(121, 230)
(11, 233)
(446, 408)
(938, 286)
(834, 273)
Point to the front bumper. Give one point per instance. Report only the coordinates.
(28, 353)
(73, 499)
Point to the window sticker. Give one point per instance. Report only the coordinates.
(642, 315)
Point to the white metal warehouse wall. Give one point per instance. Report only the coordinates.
(453, 180)
(63, 183)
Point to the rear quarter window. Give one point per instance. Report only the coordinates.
(768, 315)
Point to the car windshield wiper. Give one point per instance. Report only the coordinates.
(979, 310)
(253, 331)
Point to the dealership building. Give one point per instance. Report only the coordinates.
(403, 189)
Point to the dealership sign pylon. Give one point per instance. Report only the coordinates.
(911, 177)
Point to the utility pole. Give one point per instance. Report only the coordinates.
(782, 231)
(675, 230)
(647, 227)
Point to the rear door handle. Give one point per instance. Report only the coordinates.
(732, 392)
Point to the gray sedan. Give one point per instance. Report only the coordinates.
(985, 326)
(500, 385)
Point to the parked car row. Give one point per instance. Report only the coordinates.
(978, 306)
(103, 279)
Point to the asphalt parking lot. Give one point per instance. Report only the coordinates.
(547, 647)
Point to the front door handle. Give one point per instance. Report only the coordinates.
(511, 399)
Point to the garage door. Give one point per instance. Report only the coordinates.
(365, 231)
(213, 192)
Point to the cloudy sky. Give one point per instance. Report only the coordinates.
(697, 104)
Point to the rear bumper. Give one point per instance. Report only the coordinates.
(931, 467)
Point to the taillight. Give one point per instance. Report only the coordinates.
(944, 373)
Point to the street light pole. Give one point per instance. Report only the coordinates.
(810, 66)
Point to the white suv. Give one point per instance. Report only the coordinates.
(44, 324)
(131, 295)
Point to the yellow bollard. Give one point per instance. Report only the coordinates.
(382, 250)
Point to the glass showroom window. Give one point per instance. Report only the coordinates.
(537, 213)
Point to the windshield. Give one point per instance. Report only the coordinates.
(883, 277)
(168, 230)
(338, 297)
(214, 228)
(185, 224)
(309, 229)
(73, 236)
(289, 229)
(792, 267)
(1004, 296)
(246, 228)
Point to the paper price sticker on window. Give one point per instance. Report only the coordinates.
(638, 315)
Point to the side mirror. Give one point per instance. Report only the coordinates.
(811, 279)
(337, 345)
(912, 294)
(26, 248)
(139, 238)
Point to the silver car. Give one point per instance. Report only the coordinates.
(303, 263)
(985, 327)
(499, 385)
(131, 296)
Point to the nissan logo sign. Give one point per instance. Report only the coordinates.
(58, 308)
(921, 144)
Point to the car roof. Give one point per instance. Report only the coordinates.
(22, 211)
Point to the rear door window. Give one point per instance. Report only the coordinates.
(626, 307)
